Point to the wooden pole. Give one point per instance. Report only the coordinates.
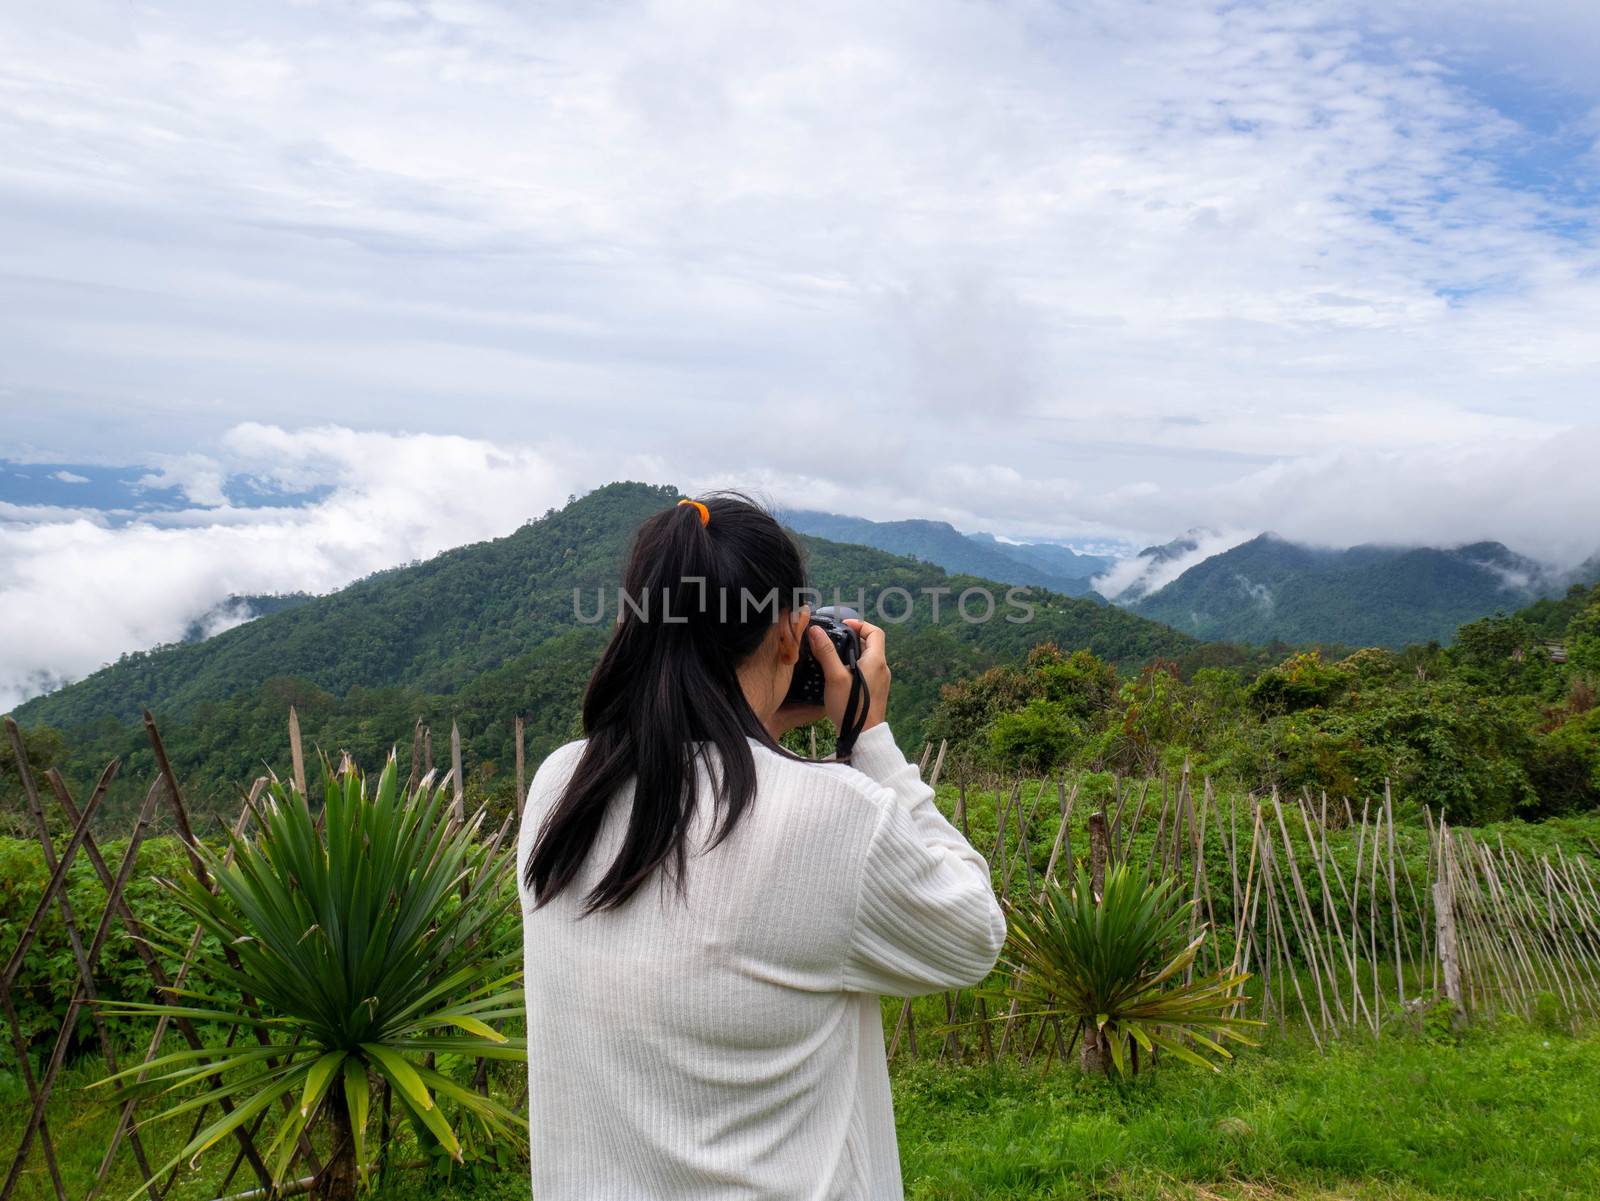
(1449, 957)
(1098, 851)
(40, 1093)
(297, 754)
(1394, 898)
(522, 789)
(458, 802)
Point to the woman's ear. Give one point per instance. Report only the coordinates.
(791, 628)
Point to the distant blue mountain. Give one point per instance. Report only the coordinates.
(1058, 560)
(1040, 564)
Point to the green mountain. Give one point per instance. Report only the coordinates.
(1042, 565)
(1271, 589)
(484, 632)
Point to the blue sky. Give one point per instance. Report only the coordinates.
(1092, 271)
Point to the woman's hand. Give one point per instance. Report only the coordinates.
(874, 666)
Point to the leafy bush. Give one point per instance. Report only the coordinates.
(1041, 735)
(1302, 681)
(49, 972)
(1113, 967)
(372, 938)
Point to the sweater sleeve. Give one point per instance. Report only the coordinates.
(926, 915)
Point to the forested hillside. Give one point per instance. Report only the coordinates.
(482, 633)
(1503, 723)
(1269, 588)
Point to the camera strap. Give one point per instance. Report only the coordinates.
(855, 709)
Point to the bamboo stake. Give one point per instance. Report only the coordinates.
(1201, 885)
(1308, 941)
(458, 795)
(1002, 809)
(1245, 945)
(1230, 840)
(203, 878)
(1372, 915)
(1116, 820)
(1330, 914)
(1158, 852)
(522, 788)
(1394, 898)
(1355, 929)
(1098, 851)
(1063, 834)
(1277, 921)
(297, 755)
(40, 1093)
(115, 904)
(1138, 810)
(1180, 811)
(1244, 927)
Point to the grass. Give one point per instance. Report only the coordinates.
(1507, 1112)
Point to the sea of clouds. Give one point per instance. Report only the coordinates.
(80, 586)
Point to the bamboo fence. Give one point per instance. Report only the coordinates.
(1334, 952)
(164, 789)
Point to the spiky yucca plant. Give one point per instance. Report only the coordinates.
(368, 939)
(1114, 968)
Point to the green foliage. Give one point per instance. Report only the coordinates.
(1441, 743)
(1551, 616)
(1114, 968)
(1565, 764)
(1042, 733)
(1081, 683)
(49, 971)
(1300, 682)
(1583, 637)
(370, 939)
(1152, 712)
(42, 747)
(1488, 729)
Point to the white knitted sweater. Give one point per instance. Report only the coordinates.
(729, 1043)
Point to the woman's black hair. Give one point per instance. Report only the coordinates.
(698, 598)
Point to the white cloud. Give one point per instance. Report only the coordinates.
(75, 593)
(1105, 270)
(1535, 493)
(198, 477)
(1137, 576)
(69, 477)
(1031, 227)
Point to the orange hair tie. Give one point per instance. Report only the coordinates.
(705, 513)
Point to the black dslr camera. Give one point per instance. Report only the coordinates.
(807, 686)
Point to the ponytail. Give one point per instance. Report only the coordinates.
(704, 582)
